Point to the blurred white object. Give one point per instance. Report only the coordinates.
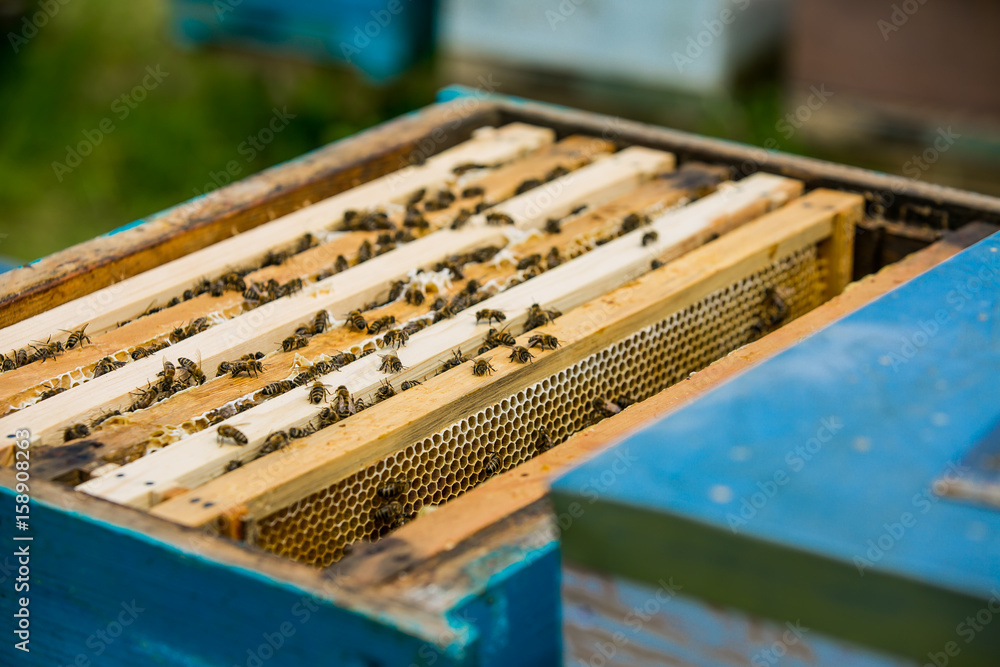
(695, 46)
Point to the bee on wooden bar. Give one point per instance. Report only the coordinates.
(233, 465)
(7, 363)
(381, 323)
(497, 218)
(414, 296)
(303, 332)
(75, 431)
(343, 401)
(100, 419)
(304, 377)
(414, 326)
(453, 267)
(252, 293)
(655, 264)
(244, 405)
(78, 337)
(193, 370)
(319, 368)
(277, 388)
(482, 367)
(529, 261)
(250, 367)
(291, 287)
(538, 317)
(557, 171)
(167, 373)
(350, 216)
(224, 367)
(356, 320)
(274, 258)
(21, 357)
(403, 236)
(320, 322)
(395, 338)
(408, 384)
(306, 241)
(196, 327)
(176, 387)
(415, 220)
(388, 512)
(649, 238)
(443, 200)
(553, 226)
(390, 363)
(294, 342)
(394, 487)
(416, 197)
(396, 290)
(501, 337)
(384, 391)
(317, 393)
(297, 432)
(273, 442)
(461, 219)
(47, 350)
(217, 288)
(187, 295)
(227, 432)
(543, 341)
(632, 222)
(492, 465)
(140, 353)
(521, 355)
(341, 359)
(489, 315)
(528, 184)
(146, 398)
(340, 264)
(459, 303)
(473, 191)
(50, 392)
(106, 365)
(457, 358)
(365, 251)
(466, 167)
(443, 313)
(219, 414)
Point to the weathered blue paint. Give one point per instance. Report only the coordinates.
(825, 456)
(182, 609)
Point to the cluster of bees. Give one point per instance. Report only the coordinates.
(42, 351)
(171, 380)
(774, 311)
(299, 339)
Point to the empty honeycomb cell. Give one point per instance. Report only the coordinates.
(445, 464)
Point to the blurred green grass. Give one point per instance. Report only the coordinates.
(65, 80)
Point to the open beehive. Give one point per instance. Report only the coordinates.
(312, 384)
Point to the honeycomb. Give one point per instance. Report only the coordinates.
(442, 466)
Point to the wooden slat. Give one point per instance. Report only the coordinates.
(386, 427)
(124, 443)
(509, 493)
(499, 184)
(265, 327)
(126, 299)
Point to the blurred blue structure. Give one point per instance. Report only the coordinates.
(382, 38)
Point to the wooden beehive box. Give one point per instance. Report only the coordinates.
(621, 258)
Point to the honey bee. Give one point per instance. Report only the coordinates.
(343, 401)
(390, 363)
(252, 293)
(461, 219)
(297, 432)
(273, 442)
(291, 287)
(304, 377)
(196, 327)
(538, 317)
(50, 392)
(218, 287)
(452, 267)
(100, 419)
(473, 191)
(187, 295)
(415, 220)
(193, 371)
(167, 374)
(394, 487)
(776, 306)
(388, 512)
(317, 393)
(553, 226)
(140, 353)
(224, 367)
(415, 326)
(553, 258)
(47, 350)
(655, 264)
(557, 171)
(414, 296)
(457, 359)
(606, 408)
(489, 315)
(543, 341)
(276, 388)
(233, 465)
(227, 432)
(294, 342)
(21, 357)
(459, 303)
(356, 320)
(543, 442)
(365, 251)
(7, 363)
(492, 465)
(146, 398)
(77, 337)
(482, 367)
(497, 218)
(249, 367)
(408, 384)
(341, 359)
(649, 238)
(75, 431)
(274, 258)
(395, 338)
(381, 323)
(106, 365)
(384, 391)
(466, 167)
(244, 405)
(340, 264)
(527, 184)
(443, 200)
(529, 261)
(403, 236)
(416, 197)
(502, 337)
(320, 322)
(521, 355)
(632, 222)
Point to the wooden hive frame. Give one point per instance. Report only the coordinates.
(438, 547)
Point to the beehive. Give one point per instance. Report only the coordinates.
(649, 254)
